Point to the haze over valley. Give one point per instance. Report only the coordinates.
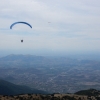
(51, 74)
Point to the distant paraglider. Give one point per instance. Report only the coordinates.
(18, 23)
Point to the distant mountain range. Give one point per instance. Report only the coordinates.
(32, 60)
(7, 88)
(18, 57)
(21, 60)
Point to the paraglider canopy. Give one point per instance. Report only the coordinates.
(20, 22)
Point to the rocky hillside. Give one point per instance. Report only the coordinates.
(95, 95)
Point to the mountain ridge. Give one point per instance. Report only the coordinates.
(8, 88)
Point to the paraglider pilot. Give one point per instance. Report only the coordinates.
(21, 40)
(19, 23)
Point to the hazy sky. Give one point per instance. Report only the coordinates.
(59, 26)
